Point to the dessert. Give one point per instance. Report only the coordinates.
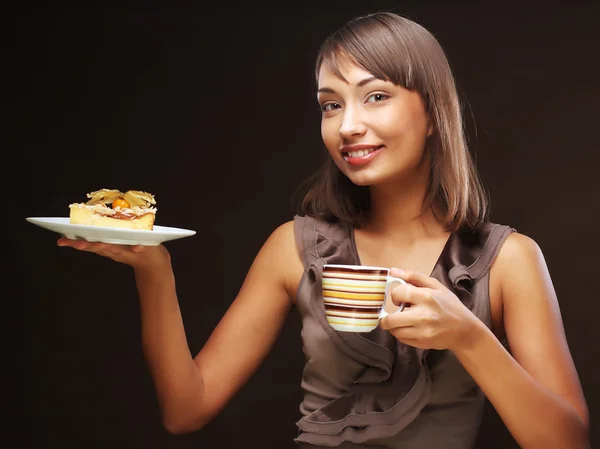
(111, 208)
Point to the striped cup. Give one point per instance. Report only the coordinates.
(354, 296)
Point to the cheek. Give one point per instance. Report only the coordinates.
(392, 124)
(330, 136)
(410, 129)
(404, 118)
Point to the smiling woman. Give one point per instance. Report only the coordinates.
(373, 124)
(399, 193)
(392, 71)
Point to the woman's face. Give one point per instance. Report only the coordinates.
(374, 130)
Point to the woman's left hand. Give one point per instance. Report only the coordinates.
(433, 317)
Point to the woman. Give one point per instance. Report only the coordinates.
(399, 190)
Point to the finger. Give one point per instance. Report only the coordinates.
(406, 333)
(409, 294)
(120, 253)
(81, 245)
(399, 319)
(103, 249)
(417, 278)
(98, 248)
(63, 241)
(415, 342)
(412, 336)
(109, 250)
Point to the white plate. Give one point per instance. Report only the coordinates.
(110, 235)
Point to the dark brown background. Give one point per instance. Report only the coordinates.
(214, 112)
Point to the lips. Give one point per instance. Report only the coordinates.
(360, 154)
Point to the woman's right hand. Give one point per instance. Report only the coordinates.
(137, 256)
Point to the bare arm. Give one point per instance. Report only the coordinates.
(248, 330)
(191, 391)
(537, 393)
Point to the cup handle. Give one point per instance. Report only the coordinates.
(390, 281)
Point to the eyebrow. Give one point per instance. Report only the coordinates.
(361, 83)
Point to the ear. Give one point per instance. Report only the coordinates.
(430, 128)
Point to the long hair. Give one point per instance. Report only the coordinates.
(396, 49)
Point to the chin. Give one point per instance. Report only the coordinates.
(365, 179)
(362, 182)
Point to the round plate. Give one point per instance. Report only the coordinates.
(120, 236)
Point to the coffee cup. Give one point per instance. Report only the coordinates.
(354, 296)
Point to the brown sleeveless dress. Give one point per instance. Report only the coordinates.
(369, 390)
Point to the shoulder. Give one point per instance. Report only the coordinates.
(282, 238)
(284, 230)
(518, 250)
(292, 234)
(281, 256)
(520, 264)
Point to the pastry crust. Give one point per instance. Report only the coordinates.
(98, 211)
(84, 215)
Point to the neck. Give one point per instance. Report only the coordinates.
(397, 210)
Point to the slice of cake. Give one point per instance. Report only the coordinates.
(108, 208)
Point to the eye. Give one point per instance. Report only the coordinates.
(376, 98)
(327, 107)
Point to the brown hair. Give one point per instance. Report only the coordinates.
(396, 49)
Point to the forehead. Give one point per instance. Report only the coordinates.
(350, 72)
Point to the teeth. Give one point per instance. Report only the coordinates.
(360, 153)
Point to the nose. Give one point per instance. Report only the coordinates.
(352, 124)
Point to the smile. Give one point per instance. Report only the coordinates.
(362, 156)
